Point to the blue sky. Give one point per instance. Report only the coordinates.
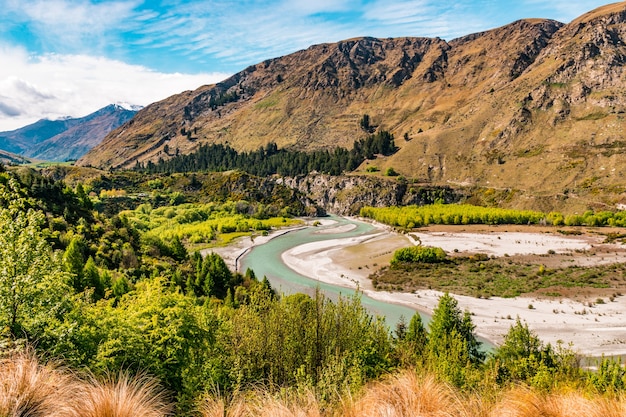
(72, 57)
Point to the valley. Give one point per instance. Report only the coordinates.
(366, 215)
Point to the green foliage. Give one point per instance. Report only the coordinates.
(365, 123)
(201, 223)
(412, 342)
(452, 348)
(310, 341)
(417, 254)
(270, 160)
(415, 216)
(522, 356)
(74, 261)
(212, 277)
(31, 281)
(91, 279)
(390, 172)
(610, 376)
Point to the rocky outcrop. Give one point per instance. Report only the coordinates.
(346, 195)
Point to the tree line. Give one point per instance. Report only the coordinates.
(270, 160)
(408, 217)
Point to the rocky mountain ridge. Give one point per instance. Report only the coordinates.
(65, 139)
(536, 105)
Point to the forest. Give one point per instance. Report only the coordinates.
(270, 160)
(125, 306)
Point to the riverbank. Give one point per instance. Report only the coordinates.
(594, 327)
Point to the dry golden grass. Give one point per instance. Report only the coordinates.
(28, 388)
(260, 403)
(524, 402)
(124, 397)
(408, 394)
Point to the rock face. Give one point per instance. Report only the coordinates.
(346, 195)
(535, 105)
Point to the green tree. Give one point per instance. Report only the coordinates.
(91, 279)
(416, 334)
(452, 349)
(31, 281)
(411, 341)
(74, 261)
(522, 357)
(178, 250)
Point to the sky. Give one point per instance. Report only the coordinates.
(63, 58)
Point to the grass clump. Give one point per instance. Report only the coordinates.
(30, 388)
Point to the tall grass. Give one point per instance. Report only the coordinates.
(524, 402)
(29, 388)
(407, 394)
(124, 397)
(260, 403)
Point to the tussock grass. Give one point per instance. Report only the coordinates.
(261, 403)
(124, 397)
(30, 388)
(27, 388)
(409, 394)
(524, 402)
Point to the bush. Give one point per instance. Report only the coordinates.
(418, 254)
(390, 172)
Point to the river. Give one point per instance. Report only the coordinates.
(265, 260)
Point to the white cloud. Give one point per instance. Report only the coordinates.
(54, 86)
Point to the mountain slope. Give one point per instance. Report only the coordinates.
(71, 138)
(535, 105)
(9, 158)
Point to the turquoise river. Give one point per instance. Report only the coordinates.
(265, 260)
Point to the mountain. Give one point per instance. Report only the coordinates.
(65, 139)
(9, 158)
(536, 105)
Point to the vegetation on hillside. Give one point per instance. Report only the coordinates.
(270, 160)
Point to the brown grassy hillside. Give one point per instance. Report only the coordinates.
(535, 105)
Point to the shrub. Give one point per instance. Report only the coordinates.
(418, 254)
(390, 172)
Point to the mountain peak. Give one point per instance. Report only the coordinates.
(601, 12)
(120, 105)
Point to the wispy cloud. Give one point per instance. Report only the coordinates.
(53, 86)
(67, 25)
(76, 55)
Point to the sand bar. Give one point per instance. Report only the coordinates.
(592, 328)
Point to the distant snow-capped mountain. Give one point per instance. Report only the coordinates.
(67, 138)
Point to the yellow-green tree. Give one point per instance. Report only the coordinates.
(32, 283)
